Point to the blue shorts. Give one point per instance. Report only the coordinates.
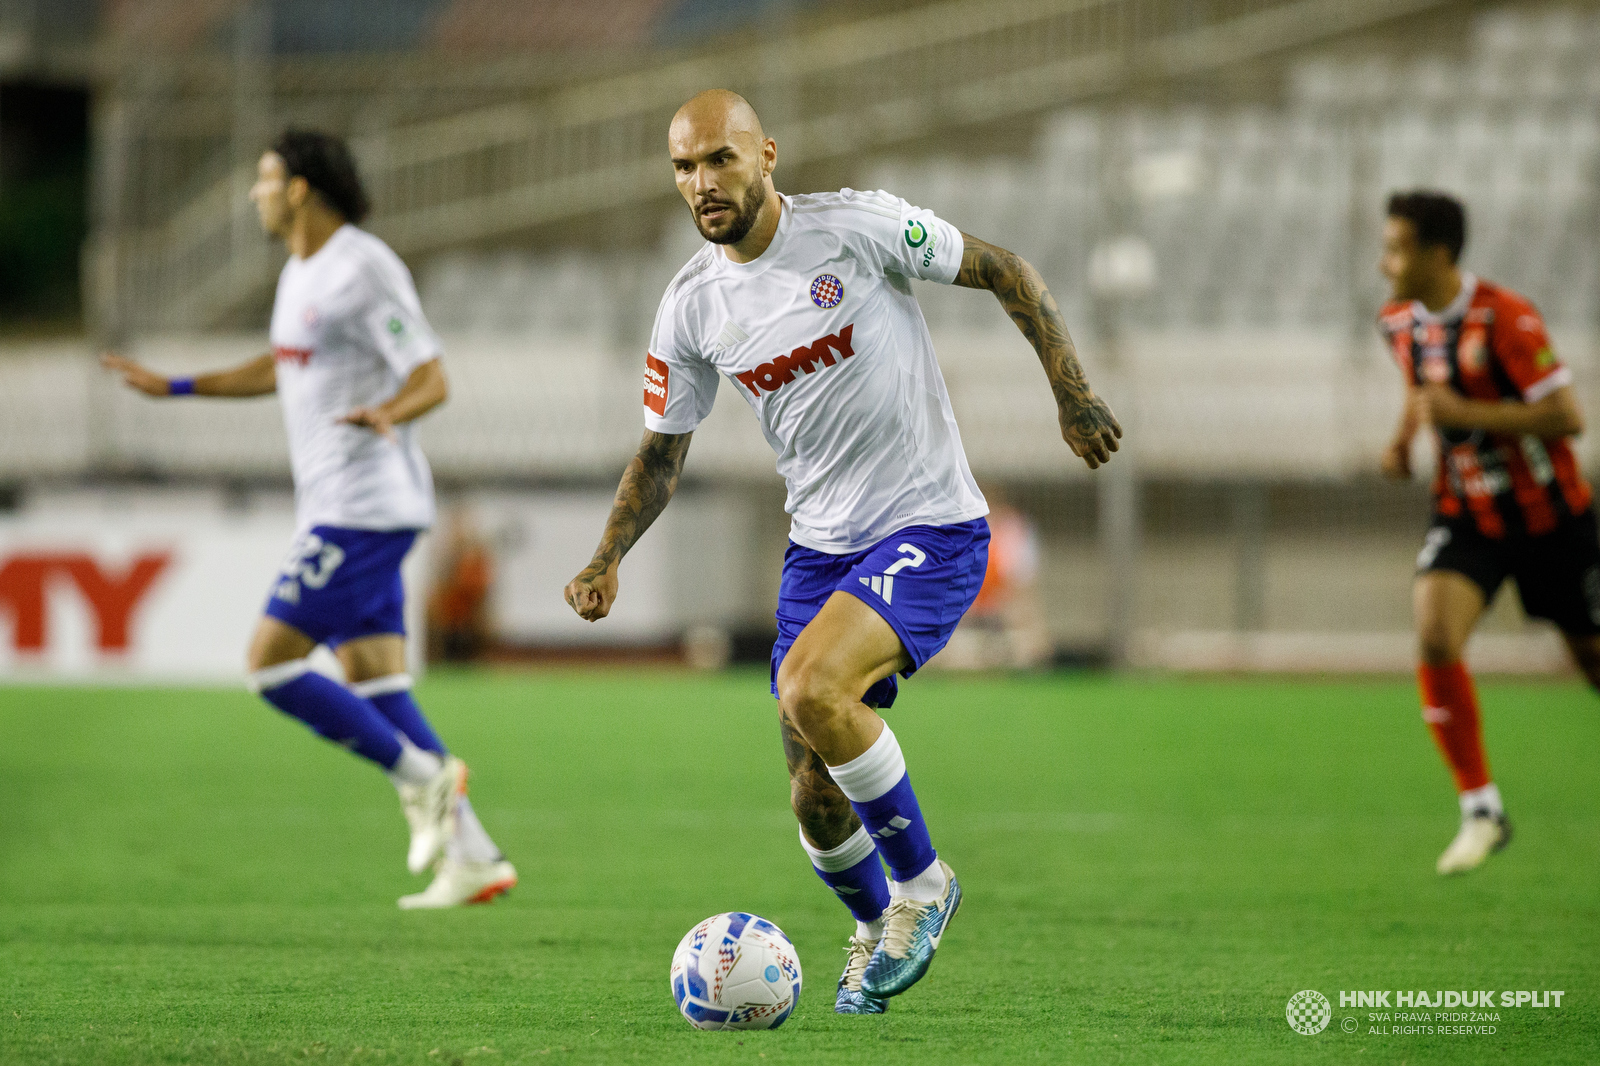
(921, 579)
(339, 585)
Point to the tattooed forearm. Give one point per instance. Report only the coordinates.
(1087, 424)
(821, 806)
(646, 486)
(1022, 293)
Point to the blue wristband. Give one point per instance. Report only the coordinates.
(180, 387)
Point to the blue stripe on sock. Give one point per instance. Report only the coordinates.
(404, 714)
(338, 714)
(863, 888)
(895, 821)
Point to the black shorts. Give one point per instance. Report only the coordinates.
(1557, 573)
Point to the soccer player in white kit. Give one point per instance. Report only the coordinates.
(804, 305)
(355, 363)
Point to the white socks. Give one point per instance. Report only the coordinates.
(1485, 798)
(869, 930)
(415, 766)
(471, 842)
(926, 887)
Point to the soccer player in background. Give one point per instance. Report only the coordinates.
(804, 304)
(1509, 500)
(1008, 608)
(354, 362)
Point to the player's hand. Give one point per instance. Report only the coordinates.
(1397, 460)
(1442, 406)
(1090, 430)
(592, 593)
(373, 418)
(135, 376)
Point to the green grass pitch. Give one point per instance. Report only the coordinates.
(1153, 866)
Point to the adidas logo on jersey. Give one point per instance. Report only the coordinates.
(769, 377)
(731, 334)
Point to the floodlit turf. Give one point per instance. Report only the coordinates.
(1152, 868)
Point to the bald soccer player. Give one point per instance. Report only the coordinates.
(804, 304)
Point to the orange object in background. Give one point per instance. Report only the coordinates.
(1005, 627)
(1013, 561)
(459, 628)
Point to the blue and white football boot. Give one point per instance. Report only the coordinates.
(911, 934)
(851, 999)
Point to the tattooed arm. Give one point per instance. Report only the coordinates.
(1087, 424)
(647, 485)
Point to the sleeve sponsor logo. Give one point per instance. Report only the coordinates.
(398, 333)
(769, 377)
(656, 374)
(919, 235)
(297, 356)
(1545, 359)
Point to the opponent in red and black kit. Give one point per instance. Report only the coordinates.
(1509, 500)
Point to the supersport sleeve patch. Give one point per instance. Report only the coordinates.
(657, 379)
(679, 386)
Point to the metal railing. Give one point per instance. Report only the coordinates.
(826, 91)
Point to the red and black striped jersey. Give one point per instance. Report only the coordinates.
(1491, 344)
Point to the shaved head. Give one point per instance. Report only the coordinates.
(722, 110)
(724, 163)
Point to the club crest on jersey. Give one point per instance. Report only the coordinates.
(826, 291)
(770, 377)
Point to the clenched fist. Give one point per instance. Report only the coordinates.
(592, 593)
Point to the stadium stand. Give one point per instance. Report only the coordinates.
(1238, 347)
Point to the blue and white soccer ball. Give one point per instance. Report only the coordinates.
(736, 971)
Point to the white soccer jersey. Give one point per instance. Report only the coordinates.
(823, 338)
(347, 330)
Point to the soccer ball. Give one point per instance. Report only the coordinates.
(735, 971)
